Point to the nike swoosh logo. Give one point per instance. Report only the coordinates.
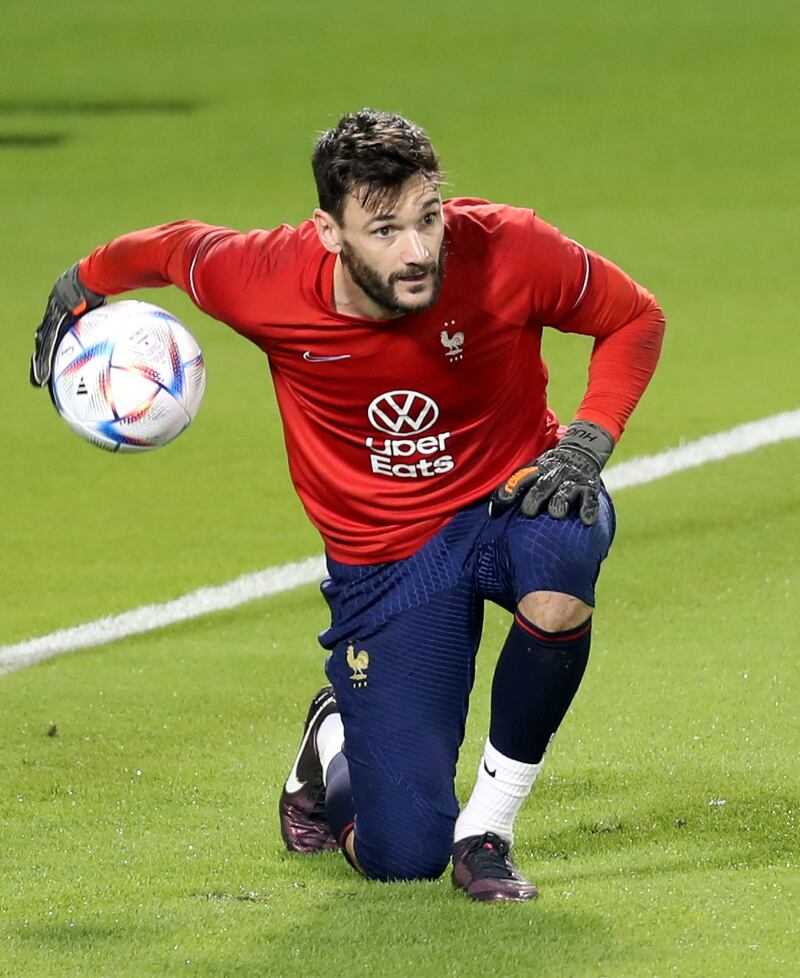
(293, 783)
(309, 357)
(492, 774)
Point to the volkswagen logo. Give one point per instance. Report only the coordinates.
(403, 413)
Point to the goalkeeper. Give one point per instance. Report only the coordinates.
(403, 335)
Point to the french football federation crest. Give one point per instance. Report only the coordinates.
(454, 345)
(359, 663)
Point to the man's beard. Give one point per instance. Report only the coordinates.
(382, 292)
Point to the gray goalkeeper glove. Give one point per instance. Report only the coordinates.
(68, 300)
(564, 477)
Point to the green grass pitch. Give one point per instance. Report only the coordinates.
(140, 838)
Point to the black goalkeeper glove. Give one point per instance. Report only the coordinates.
(68, 300)
(563, 477)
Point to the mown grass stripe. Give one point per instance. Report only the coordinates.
(274, 580)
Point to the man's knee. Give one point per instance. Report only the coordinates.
(554, 612)
(421, 851)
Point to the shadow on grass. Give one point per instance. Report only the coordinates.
(60, 934)
(333, 924)
(31, 140)
(96, 107)
(737, 833)
(292, 915)
(422, 929)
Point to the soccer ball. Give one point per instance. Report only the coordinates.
(128, 377)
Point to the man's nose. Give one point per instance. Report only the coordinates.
(414, 249)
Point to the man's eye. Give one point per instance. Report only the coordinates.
(383, 232)
(429, 219)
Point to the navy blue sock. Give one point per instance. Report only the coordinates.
(339, 807)
(536, 678)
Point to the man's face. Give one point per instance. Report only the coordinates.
(395, 253)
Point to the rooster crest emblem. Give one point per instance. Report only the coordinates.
(359, 663)
(453, 344)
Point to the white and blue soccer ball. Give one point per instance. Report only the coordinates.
(128, 377)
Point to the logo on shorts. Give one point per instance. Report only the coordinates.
(406, 415)
(359, 663)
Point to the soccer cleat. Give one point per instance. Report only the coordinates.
(304, 825)
(482, 866)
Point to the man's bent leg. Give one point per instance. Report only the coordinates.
(543, 659)
(402, 692)
(536, 677)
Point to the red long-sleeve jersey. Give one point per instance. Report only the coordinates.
(392, 426)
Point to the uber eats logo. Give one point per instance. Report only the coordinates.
(404, 451)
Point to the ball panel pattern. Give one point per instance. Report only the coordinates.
(128, 377)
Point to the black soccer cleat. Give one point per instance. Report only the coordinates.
(304, 824)
(483, 868)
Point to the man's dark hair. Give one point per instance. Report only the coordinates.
(370, 154)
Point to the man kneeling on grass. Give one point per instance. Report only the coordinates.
(403, 334)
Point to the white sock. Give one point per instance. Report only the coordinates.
(495, 800)
(330, 739)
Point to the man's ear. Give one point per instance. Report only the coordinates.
(328, 231)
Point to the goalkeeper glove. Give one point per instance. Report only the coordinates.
(565, 476)
(68, 300)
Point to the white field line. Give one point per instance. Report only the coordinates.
(273, 580)
(248, 587)
(712, 448)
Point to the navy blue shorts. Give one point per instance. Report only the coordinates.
(403, 639)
